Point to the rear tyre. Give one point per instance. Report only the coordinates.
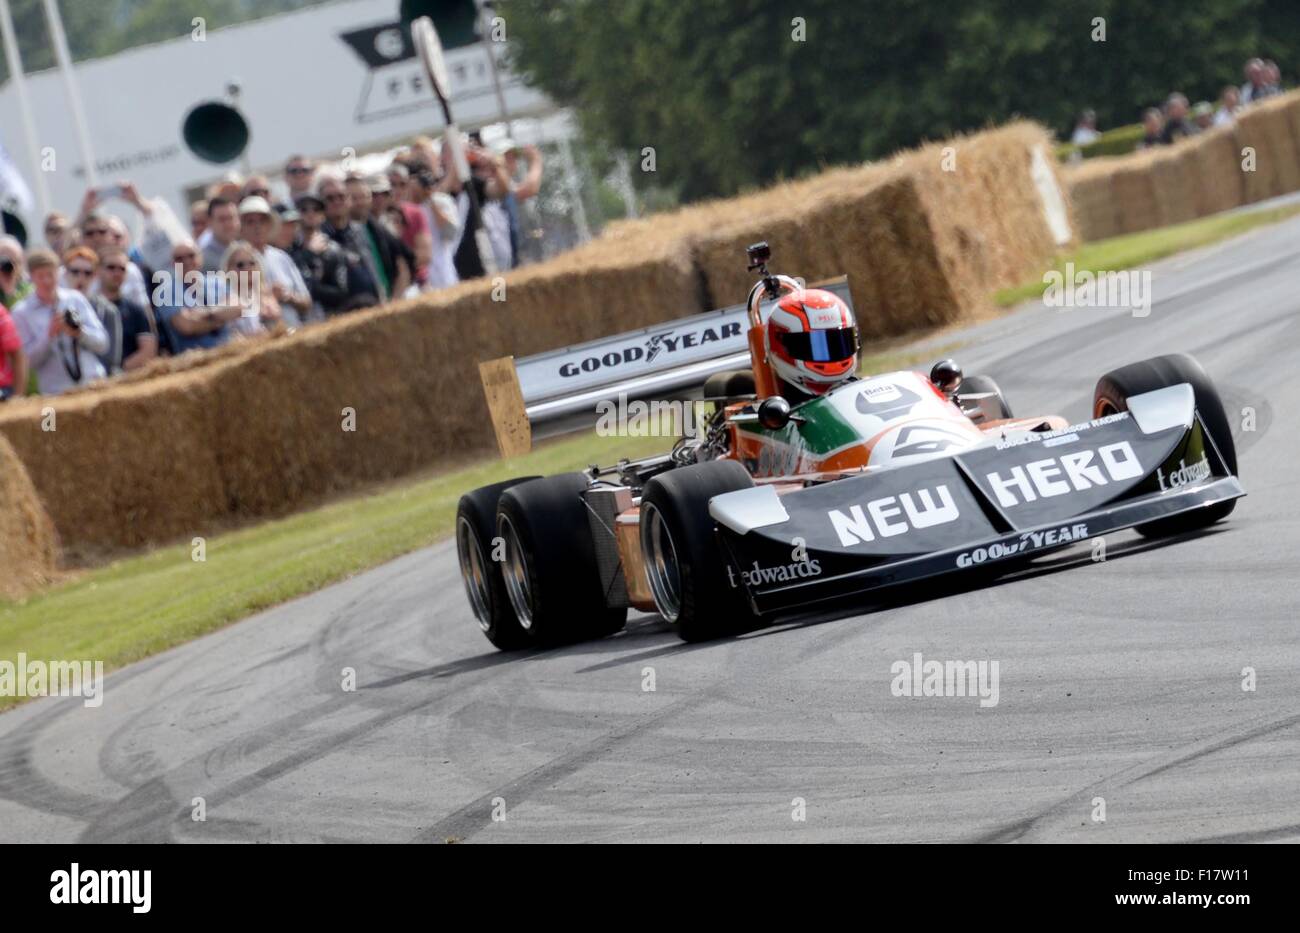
(1116, 387)
(484, 583)
(550, 572)
(995, 407)
(683, 559)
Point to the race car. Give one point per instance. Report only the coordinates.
(809, 483)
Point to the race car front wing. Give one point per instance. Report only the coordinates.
(1014, 498)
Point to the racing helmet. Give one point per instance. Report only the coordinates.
(811, 340)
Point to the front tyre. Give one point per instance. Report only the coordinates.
(1119, 385)
(550, 572)
(683, 560)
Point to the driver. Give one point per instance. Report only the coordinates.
(812, 343)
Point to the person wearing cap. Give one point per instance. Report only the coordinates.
(257, 223)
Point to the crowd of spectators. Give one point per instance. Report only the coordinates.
(1178, 119)
(260, 256)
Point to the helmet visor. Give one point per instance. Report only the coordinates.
(821, 346)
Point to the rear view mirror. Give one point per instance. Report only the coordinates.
(774, 413)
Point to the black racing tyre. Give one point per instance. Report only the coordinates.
(683, 559)
(979, 385)
(1116, 387)
(730, 384)
(484, 585)
(550, 569)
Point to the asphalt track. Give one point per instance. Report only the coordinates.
(1119, 679)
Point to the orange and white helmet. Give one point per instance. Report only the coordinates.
(811, 339)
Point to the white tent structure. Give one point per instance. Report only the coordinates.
(333, 81)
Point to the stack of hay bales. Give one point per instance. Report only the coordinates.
(1219, 181)
(28, 544)
(1092, 195)
(924, 238)
(363, 398)
(1267, 128)
(1195, 178)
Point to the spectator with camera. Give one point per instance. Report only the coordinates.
(62, 336)
(79, 267)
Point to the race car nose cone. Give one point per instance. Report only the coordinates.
(946, 376)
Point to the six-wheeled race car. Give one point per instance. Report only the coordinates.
(809, 483)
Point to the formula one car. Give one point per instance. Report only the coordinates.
(800, 490)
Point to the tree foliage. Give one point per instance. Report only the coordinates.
(729, 99)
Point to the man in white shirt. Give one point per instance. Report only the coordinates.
(1085, 131)
(257, 222)
(62, 336)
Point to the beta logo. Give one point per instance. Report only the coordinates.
(894, 515)
(1058, 476)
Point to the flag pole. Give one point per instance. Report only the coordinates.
(74, 94)
(19, 80)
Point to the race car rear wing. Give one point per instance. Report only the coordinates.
(670, 357)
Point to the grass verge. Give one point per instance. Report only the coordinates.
(1138, 249)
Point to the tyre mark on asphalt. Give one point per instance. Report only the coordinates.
(1228, 738)
(476, 816)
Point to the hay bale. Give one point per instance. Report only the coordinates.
(1133, 181)
(29, 547)
(1173, 178)
(985, 207)
(1266, 127)
(879, 235)
(122, 467)
(1091, 191)
(1216, 168)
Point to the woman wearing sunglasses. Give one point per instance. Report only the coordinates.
(245, 282)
